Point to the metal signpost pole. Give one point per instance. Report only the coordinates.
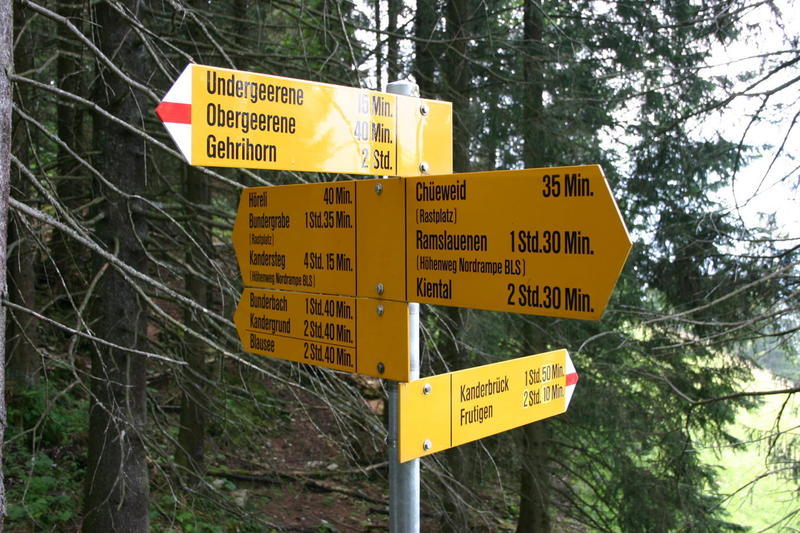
(403, 477)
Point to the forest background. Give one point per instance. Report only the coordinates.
(129, 399)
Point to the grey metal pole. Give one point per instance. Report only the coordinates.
(404, 477)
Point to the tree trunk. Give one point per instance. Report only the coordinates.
(534, 479)
(456, 517)
(116, 476)
(392, 52)
(424, 56)
(535, 153)
(378, 47)
(6, 66)
(457, 80)
(22, 360)
(194, 399)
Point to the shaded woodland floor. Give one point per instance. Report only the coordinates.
(276, 461)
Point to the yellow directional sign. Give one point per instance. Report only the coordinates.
(452, 409)
(306, 238)
(228, 118)
(537, 241)
(298, 237)
(355, 335)
(547, 241)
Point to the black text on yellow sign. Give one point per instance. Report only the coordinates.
(537, 241)
(449, 410)
(350, 334)
(229, 118)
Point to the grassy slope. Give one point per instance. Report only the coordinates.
(765, 502)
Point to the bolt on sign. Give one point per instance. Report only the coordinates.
(448, 410)
(357, 335)
(228, 118)
(547, 241)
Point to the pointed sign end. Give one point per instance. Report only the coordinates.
(174, 112)
(571, 380)
(238, 317)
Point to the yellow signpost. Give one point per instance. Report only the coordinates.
(229, 118)
(298, 237)
(448, 410)
(307, 238)
(354, 335)
(545, 241)
(334, 263)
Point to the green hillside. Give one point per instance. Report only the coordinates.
(762, 495)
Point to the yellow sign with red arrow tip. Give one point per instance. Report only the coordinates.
(229, 118)
(471, 404)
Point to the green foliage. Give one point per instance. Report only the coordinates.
(779, 356)
(247, 405)
(182, 517)
(192, 524)
(43, 493)
(42, 414)
(43, 468)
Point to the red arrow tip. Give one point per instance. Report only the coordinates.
(572, 379)
(174, 112)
